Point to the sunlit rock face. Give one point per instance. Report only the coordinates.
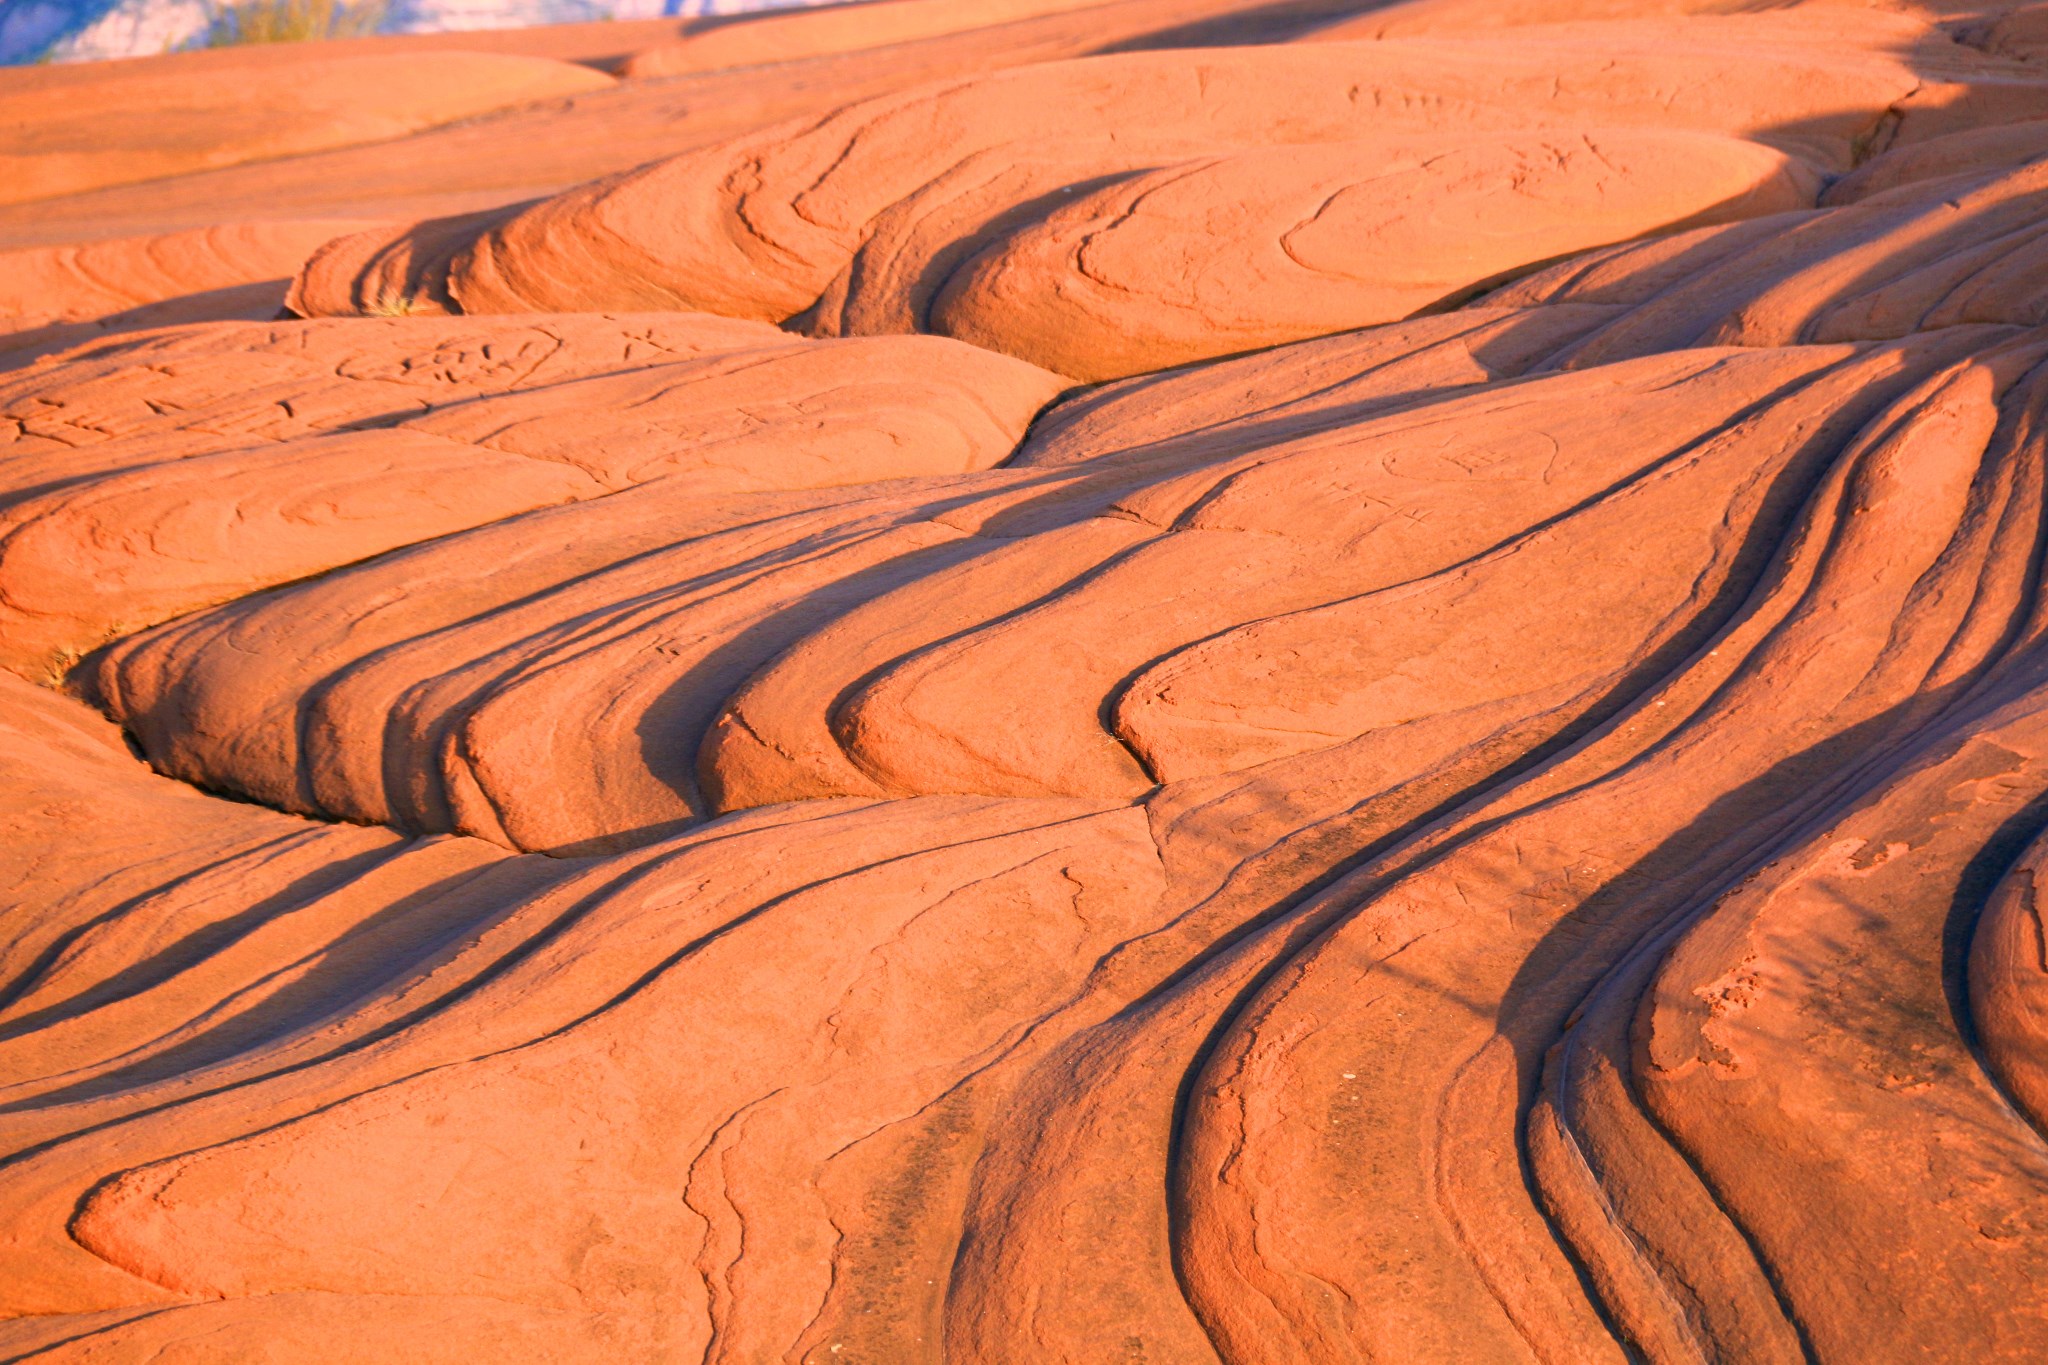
(1171, 680)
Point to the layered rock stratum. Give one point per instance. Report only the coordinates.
(1157, 681)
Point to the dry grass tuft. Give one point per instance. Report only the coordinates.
(293, 21)
(394, 304)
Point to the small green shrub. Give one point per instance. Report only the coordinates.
(292, 21)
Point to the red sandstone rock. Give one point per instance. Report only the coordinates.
(762, 226)
(521, 152)
(1919, 257)
(74, 129)
(809, 33)
(1871, 23)
(2007, 974)
(1396, 829)
(53, 297)
(100, 548)
(1257, 248)
(76, 283)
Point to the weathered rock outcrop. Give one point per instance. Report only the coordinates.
(1374, 699)
(55, 297)
(180, 511)
(79, 128)
(1256, 248)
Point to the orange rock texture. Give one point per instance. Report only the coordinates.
(1199, 681)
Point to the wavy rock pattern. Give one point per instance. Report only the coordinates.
(173, 510)
(858, 222)
(55, 297)
(1374, 699)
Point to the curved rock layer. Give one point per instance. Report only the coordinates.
(80, 128)
(1421, 735)
(55, 297)
(155, 481)
(1253, 249)
(72, 284)
(528, 150)
(828, 29)
(1178, 208)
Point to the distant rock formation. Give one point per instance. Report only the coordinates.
(98, 30)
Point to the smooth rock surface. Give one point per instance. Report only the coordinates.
(73, 129)
(1363, 684)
